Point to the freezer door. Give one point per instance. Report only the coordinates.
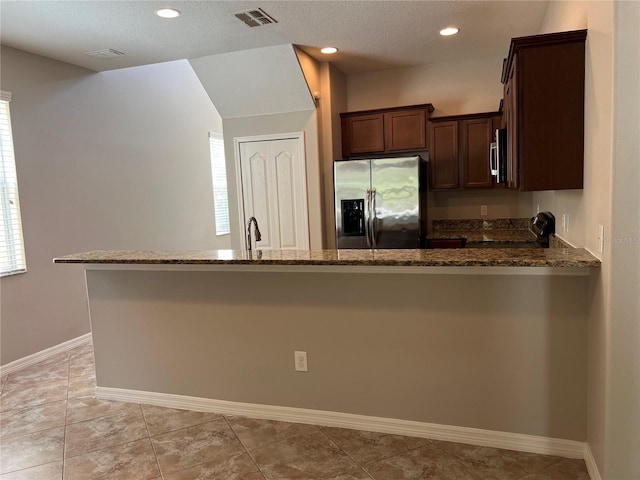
(352, 185)
(395, 192)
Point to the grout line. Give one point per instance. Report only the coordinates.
(244, 447)
(335, 442)
(153, 449)
(66, 414)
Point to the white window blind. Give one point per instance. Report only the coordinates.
(219, 175)
(11, 244)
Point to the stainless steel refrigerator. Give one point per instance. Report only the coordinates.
(379, 203)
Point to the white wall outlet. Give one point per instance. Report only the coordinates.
(301, 361)
(538, 209)
(565, 222)
(483, 209)
(601, 238)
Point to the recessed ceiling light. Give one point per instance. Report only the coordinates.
(445, 32)
(167, 13)
(329, 50)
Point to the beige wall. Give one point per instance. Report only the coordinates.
(610, 198)
(467, 86)
(113, 160)
(511, 357)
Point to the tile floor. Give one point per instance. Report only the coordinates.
(54, 428)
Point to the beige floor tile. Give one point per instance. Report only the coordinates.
(368, 447)
(255, 433)
(307, 456)
(50, 471)
(205, 443)
(85, 349)
(130, 461)
(33, 419)
(21, 398)
(564, 469)
(355, 474)
(84, 386)
(423, 463)
(459, 449)
(3, 380)
(35, 375)
(239, 466)
(88, 408)
(506, 464)
(104, 432)
(31, 450)
(82, 366)
(162, 420)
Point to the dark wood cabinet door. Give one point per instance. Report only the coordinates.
(543, 81)
(406, 130)
(475, 142)
(362, 134)
(511, 122)
(443, 155)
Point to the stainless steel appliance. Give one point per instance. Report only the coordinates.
(498, 156)
(378, 202)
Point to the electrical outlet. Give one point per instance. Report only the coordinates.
(301, 361)
(538, 209)
(565, 222)
(483, 210)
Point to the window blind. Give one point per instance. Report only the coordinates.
(219, 176)
(12, 258)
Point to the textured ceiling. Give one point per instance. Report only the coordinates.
(371, 35)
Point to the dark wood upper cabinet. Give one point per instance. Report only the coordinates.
(459, 150)
(385, 131)
(443, 155)
(363, 134)
(406, 130)
(543, 79)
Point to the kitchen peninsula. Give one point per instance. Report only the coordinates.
(439, 354)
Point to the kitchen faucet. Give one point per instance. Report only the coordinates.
(257, 231)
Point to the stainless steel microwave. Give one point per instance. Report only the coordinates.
(498, 156)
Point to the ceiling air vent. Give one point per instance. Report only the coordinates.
(255, 18)
(105, 53)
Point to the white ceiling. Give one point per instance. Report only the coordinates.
(371, 35)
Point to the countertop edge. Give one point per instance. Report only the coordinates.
(368, 269)
(463, 261)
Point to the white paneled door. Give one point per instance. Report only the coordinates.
(274, 190)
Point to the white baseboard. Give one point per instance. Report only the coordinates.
(474, 436)
(592, 466)
(45, 354)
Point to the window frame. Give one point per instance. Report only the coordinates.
(220, 185)
(12, 252)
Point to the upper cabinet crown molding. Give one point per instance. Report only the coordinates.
(385, 130)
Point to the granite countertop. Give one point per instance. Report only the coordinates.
(500, 231)
(465, 257)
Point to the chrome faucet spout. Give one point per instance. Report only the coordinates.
(256, 230)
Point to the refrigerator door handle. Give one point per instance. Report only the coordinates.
(373, 217)
(367, 218)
